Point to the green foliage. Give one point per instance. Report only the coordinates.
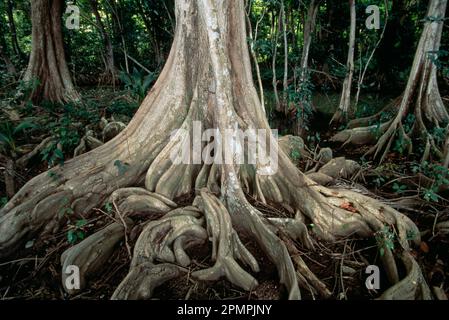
(26, 88)
(77, 232)
(439, 176)
(399, 188)
(122, 107)
(385, 239)
(9, 134)
(137, 82)
(3, 201)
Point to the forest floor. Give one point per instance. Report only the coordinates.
(35, 271)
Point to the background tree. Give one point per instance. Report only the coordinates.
(341, 115)
(47, 63)
(420, 109)
(109, 61)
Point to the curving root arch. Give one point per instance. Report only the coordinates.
(207, 78)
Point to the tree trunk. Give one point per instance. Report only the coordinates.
(207, 80)
(110, 70)
(421, 98)
(309, 27)
(47, 60)
(341, 115)
(9, 65)
(275, 30)
(253, 40)
(13, 29)
(283, 18)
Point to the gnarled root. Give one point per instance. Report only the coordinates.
(92, 253)
(226, 246)
(141, 281)
(412, 287)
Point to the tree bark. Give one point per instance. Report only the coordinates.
(285, 81)
(207, 79)
(275, 30)
(253, 40)
(13, 29)
(47, 62)
(341, 115)
(309, 27)
(110, 70)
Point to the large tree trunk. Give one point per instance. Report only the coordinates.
(341, 115)
(207, 79)
(110, 71)
(421, 98)
(47, 60)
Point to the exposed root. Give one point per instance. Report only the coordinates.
(412, 287)
(92, 253)
(141, 202)
(226, 247)
(143, 279)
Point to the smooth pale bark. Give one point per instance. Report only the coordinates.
(341, 115)
(47, 63)
(285, 81)
(363, 73)
(309, 28)
(207, 78)
(253, 39)
(275, 30)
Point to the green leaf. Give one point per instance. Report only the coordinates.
(23, 126)
(81, 223)
(71, 236)
(80, 235)
(58, 154)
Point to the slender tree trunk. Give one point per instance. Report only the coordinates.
(283, 18)
(47, 62)
(13, 29)
(9, 65)
(309, 27)
(151, 34)
(110, 70)
(341, 115)
(275, 30)
(363, 73)
(253, 39)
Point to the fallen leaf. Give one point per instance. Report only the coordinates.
(348, 206)
(424, 247)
